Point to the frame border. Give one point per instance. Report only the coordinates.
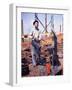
(13, 80)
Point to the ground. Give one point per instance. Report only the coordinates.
(36, 71)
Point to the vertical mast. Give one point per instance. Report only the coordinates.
(52, 23)
(45, 22)
(22, 27)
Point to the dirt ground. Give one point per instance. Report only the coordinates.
(41, 70)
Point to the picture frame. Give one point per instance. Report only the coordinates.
(15, 77)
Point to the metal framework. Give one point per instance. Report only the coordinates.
(51, 22)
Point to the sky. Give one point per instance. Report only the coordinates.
(28, 19)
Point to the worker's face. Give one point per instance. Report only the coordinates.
(36, 24)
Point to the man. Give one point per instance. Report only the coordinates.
(36, 36)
